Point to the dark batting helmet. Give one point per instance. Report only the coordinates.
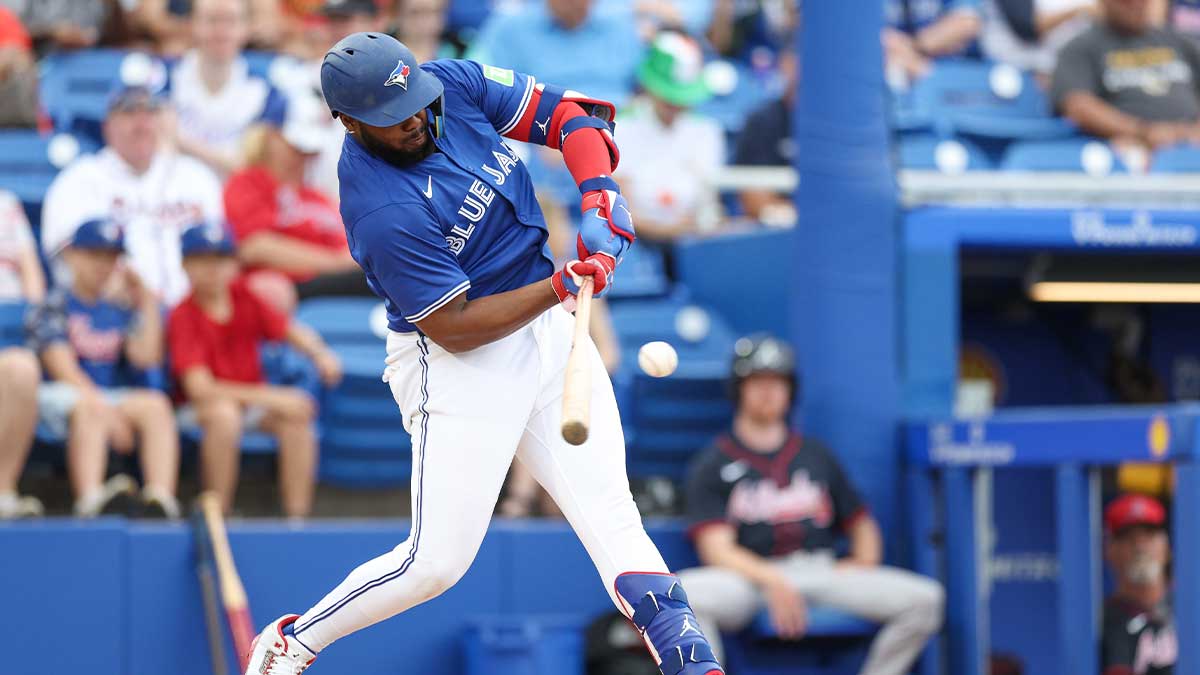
(375, 79)
(763, 353)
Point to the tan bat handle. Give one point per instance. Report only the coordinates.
(233, 594)
(577, 384)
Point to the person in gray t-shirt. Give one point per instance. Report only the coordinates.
(1130, 82)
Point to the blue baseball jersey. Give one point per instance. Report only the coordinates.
(463, 219)
(95, 332)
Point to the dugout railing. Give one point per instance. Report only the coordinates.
(948, 477)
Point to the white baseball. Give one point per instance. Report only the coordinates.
(657, 359)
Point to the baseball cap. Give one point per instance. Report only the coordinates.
(349, 7)
(126, 98)
(98, 234)
(304, 124)
(673, 70)
(206, 238)
(1133, 509)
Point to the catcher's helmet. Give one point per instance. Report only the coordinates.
(375, 79)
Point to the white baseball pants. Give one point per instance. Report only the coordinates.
(469, 414)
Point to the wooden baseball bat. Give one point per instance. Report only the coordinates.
(577, 383)
(233, 594)
(208, 593)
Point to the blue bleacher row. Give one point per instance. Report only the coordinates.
(363, 442)
(973, 115)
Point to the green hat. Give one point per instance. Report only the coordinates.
(673, 70)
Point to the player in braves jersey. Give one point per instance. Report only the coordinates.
(768, 506)
(441, 215)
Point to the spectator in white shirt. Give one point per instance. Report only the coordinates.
(670, 155)
(136, 180)
(214, 94)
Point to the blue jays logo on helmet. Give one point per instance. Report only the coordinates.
(399, 76)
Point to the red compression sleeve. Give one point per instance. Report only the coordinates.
(586, 153)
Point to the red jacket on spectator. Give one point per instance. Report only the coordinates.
(255, 201)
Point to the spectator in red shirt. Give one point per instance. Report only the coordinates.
(214, 336)
(284, 226)
(18, 73)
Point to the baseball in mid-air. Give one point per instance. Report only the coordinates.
(657, 359)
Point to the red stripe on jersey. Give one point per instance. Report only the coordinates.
(586, 152)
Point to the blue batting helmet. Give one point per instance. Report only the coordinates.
(375, 79)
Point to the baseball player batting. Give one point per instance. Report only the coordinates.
(441, 215)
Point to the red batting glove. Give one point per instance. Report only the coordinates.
(566, 282)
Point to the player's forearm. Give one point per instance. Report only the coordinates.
(216, 159)
(1099, 118)
(463, 325)
(62, 366)
(306, 340)
(949, 35)
(866, 541)
(717, 546)
(245, 394)
(33, 283)
(288, 254)
(754, 202)
(1048, 21)
(144, 347)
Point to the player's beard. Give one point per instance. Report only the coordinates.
(396, 156)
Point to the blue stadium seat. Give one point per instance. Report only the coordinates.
(346, 321)
(364, 443)
(934, 153)
(822, 622)
(75, 85)
(979, 99)
(670, 418)
(1071, 154)
(750, 92)
(643, 274)
(29, 162)
(1179, 159)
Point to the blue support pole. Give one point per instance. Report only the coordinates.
(1078, 564)
(964, 604)
(1185, 545)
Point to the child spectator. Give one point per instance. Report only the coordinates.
(285, 227)
(20, 281)
(85, 343)
(214, 336)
